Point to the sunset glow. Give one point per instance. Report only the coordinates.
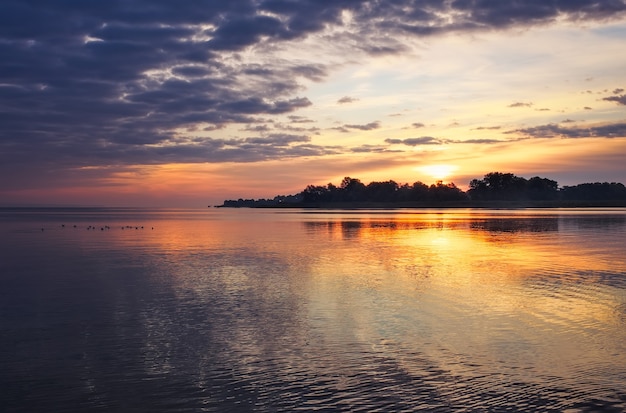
(188, 105)
(438, 172)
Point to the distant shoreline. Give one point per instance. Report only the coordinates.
(442, 205)
(495, 190)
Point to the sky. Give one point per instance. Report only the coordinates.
(186, 104)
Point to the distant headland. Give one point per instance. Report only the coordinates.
(495, 189)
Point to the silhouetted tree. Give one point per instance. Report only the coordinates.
(495, 186)
(498, 186)
(313, 194)
(419, 192)
(441, 192)
(332, 193)
(403, 193)
(352, 189)
(382, 191)
(594, 192)
(542, 189)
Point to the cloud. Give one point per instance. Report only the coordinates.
(370, 149)
(341, 129)
(619, 99)
(480, 141)
(257, 128)
(277, 139)
(424, 140)
(520, 105)
(113, 83)
(418, 125)
(615, 130)
(366, 127)
(259, 105)
(252, 149)
(428, 18)
(239, 32)
(429, 140)
(347, 99)
(299, 119)
(297, 129)
(488, 128)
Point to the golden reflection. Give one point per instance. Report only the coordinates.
(535, 293)
(494, 266)
(461, 301)
(473, 290)
(537, 266)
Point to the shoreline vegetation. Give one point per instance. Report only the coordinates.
(494, 190)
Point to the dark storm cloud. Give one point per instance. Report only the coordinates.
(616, 130)
(111, 82)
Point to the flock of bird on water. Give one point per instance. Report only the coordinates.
(105, 227)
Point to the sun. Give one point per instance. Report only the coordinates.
(438, 172)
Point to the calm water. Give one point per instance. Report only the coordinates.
(264, 310)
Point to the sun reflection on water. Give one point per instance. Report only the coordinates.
(309, 308)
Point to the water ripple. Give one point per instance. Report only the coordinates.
(366, 313)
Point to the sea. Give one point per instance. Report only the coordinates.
(285, 310)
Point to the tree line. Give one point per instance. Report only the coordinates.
(493, 188)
